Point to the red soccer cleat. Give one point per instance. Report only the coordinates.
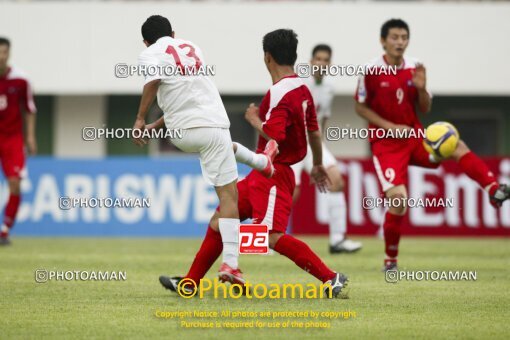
(390, 264)
(229, 274)
(271, 150)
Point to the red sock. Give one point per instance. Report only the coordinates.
(209, 251)
(391, 228)
(476, 169)
(303, 257)
(11, 209)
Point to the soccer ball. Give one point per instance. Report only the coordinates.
(441, 139)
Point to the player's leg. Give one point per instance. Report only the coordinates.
(11, 209)
(219, 168)
(391, 224)
(472, 166)
(210, 250)
(305, 258)
(228, 224)
(13, 163)
(212, 245)
(478, 171)
(264, 197)
(298, 169)
(391, 159)
(337, 208)
(261, 162)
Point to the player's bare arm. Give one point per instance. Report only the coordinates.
(372, 117)
(252, 116)
(158, 124)
(420, 82)
(323, 124)
(30, 133)
(150, 91)
(319, 174)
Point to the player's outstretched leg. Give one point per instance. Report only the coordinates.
(261, 162)
(337, 214)
(304, 257)
(11, 210)
(209, 251)
(391, 226)
(228, 224)
(478, 171)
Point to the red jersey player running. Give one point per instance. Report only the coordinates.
(286, 115)
(389, 101)
(15, 100)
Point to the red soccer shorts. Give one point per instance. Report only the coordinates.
(267, 201)
(393, 156)
(12, 155)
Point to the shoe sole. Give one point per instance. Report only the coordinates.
(270, 160)
(345, 251)
(227, 277)
(337, 290)
(171, 287)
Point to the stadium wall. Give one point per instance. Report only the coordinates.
(450, 38)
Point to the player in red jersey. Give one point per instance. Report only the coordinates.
(286, 115)
(389, 101)
(15, 100)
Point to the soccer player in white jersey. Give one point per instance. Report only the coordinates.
(322, 92)
(190, 101)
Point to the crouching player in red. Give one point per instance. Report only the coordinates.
(286, 114)
(389, 101)
(15, 99)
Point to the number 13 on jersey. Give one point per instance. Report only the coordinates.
(191, 53)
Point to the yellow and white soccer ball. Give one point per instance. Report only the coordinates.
(441, 139)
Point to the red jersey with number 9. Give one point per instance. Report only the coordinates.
(392, 96)
(288, 112)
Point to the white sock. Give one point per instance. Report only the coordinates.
(246, 156)
(337, 213)
(229, 229)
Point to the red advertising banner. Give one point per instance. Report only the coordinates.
(464, 210)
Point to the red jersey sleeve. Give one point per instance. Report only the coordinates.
(276, 125)
(311, 115)
(28, 98)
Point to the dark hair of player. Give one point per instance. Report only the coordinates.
(282, 46)
(5, 41)
(322, 47)
(156, 27)
(393, 23)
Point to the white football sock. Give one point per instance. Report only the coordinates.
(254, 160)
(229, 229)
(337, 213)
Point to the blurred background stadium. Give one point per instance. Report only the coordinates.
(69, 50)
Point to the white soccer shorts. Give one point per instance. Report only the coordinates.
(214, 145)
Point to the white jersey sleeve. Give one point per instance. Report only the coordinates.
(148, 61)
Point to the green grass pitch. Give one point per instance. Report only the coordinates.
(126, 309)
